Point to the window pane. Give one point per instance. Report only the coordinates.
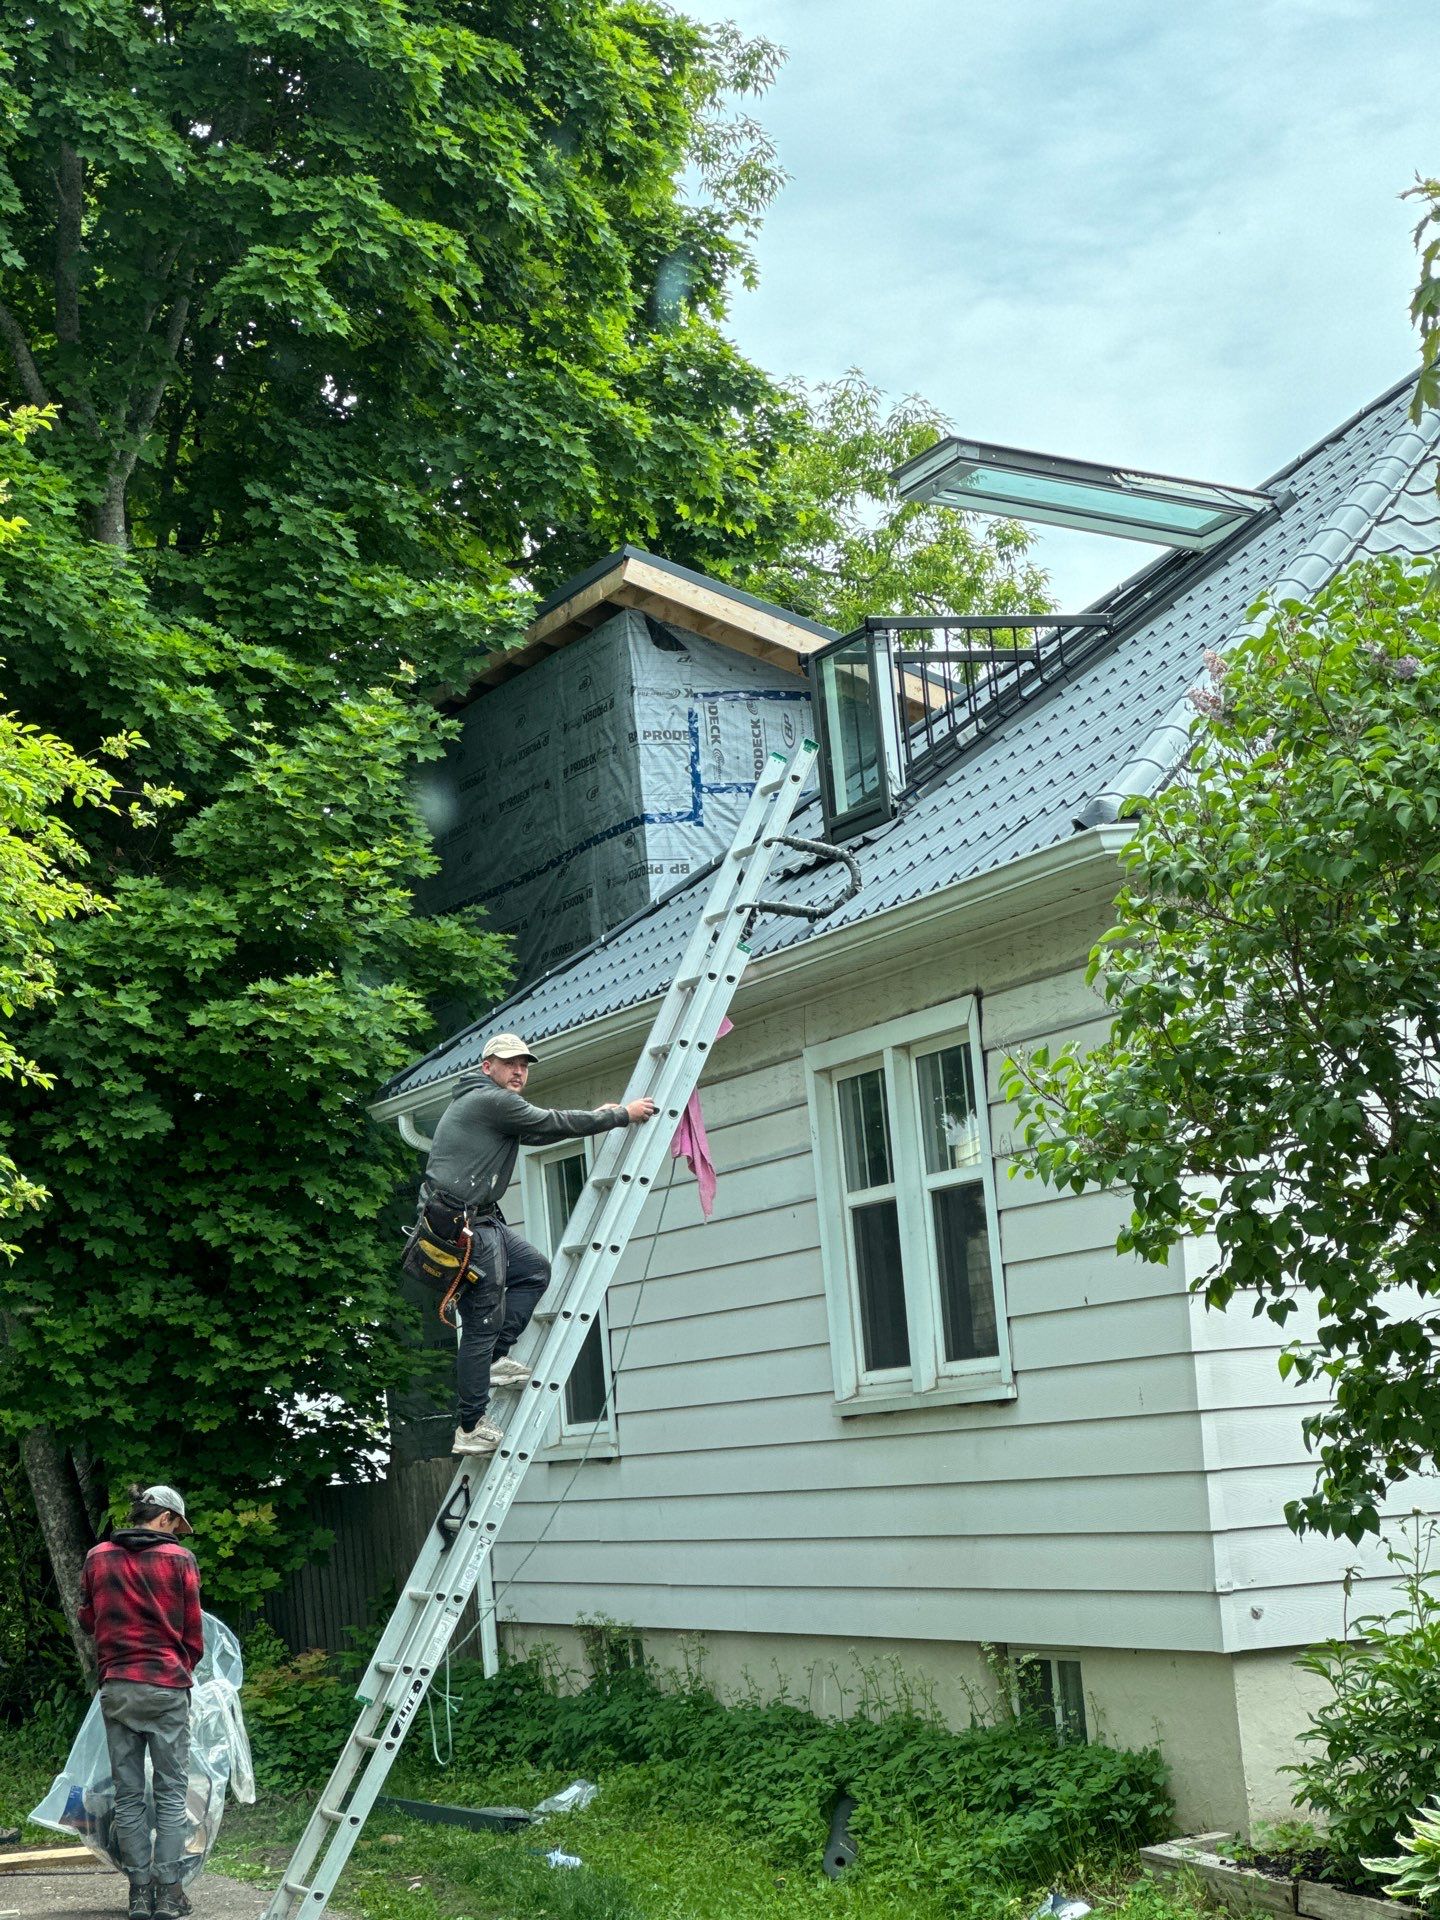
(1072, 1702)
(1035, 1686)
(865, 1130)
(881, 1285)
(852, 769)
(949, 1123)
(564, 1183)
(967, 1298)
(585, 1389)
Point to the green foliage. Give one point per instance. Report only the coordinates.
(1425, 307)
(351, 309)
(1373, 1756)
(1274, 975)
(298, 1712)
(987, 1806)
(210, 1296)
(948, 1822)
(857, 548)
(1415, 1876)
(40, 857)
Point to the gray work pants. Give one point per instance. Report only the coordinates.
(141, 1719)
(495, 1309)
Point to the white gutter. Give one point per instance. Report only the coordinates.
(1053, 871)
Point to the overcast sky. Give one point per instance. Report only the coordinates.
(1161, 234)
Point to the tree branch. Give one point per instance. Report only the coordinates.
(139, 420)
(69, 233)
(30, 381)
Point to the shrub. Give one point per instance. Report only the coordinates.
(1416, 1875)
(1376, 1741)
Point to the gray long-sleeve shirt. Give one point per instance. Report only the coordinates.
(481, 1132)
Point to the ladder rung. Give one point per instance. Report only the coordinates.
(418, 1593)
(367, 1740)
(387, 1666)
(294, 1886)
(331, 1813)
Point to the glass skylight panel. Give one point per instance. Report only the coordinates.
(1075, 493)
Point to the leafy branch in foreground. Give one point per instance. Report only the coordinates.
(40, 862)
(1272, 1076)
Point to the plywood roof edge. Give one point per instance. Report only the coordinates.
(635, 578)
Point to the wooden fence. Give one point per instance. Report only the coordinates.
(379, 1530)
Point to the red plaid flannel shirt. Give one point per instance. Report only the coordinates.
(143, 1608)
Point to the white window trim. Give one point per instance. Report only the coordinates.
(892, 1044)
(564, 1440)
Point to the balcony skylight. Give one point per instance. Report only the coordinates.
(1076, 493)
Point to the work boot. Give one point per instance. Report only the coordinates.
(508, 1373)
(142, 1900)
(170, 1901)
(483, 1437)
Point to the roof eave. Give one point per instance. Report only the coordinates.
(1032, 884)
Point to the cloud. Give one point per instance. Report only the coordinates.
(1161, 235)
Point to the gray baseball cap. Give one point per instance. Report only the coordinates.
(168, 1498)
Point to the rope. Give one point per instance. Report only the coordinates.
(451, 1702)
(538, 1541)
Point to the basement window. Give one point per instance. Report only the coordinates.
(1048, 1691)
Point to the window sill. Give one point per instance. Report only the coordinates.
(579, 1449)
(950, 1393)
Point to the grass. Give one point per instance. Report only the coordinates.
(640, 1862)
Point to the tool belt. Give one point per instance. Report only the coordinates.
(441, 1248)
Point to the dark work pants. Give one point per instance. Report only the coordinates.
(495, 1310)
(141, 1719)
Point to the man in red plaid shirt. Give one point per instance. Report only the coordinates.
(140, 1597)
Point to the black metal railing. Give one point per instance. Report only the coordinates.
(960, 675)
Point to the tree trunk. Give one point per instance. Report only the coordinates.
(66, 1528)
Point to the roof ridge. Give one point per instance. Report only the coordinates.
(1334, 542)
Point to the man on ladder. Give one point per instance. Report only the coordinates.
(472, 1159)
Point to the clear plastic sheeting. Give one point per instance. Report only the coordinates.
(82, 1798)
(600, 778)
(569, 1800)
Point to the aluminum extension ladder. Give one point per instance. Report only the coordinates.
(605, 1216)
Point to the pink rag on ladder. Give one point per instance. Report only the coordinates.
(692, 1142)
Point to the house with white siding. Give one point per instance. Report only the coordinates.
(891, 1402)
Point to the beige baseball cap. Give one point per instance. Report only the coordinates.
(168, 1498)
(506, 1046)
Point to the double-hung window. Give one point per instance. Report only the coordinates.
(551, 1182)
(909, 1235)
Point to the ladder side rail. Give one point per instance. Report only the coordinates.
(696, 1001)
(590, 1268)
(713, 944)
(672, 1083)
(318, 1829)
(706, 937)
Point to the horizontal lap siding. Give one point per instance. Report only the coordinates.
(1076, 1514)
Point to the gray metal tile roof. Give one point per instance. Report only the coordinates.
(1110, 728)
